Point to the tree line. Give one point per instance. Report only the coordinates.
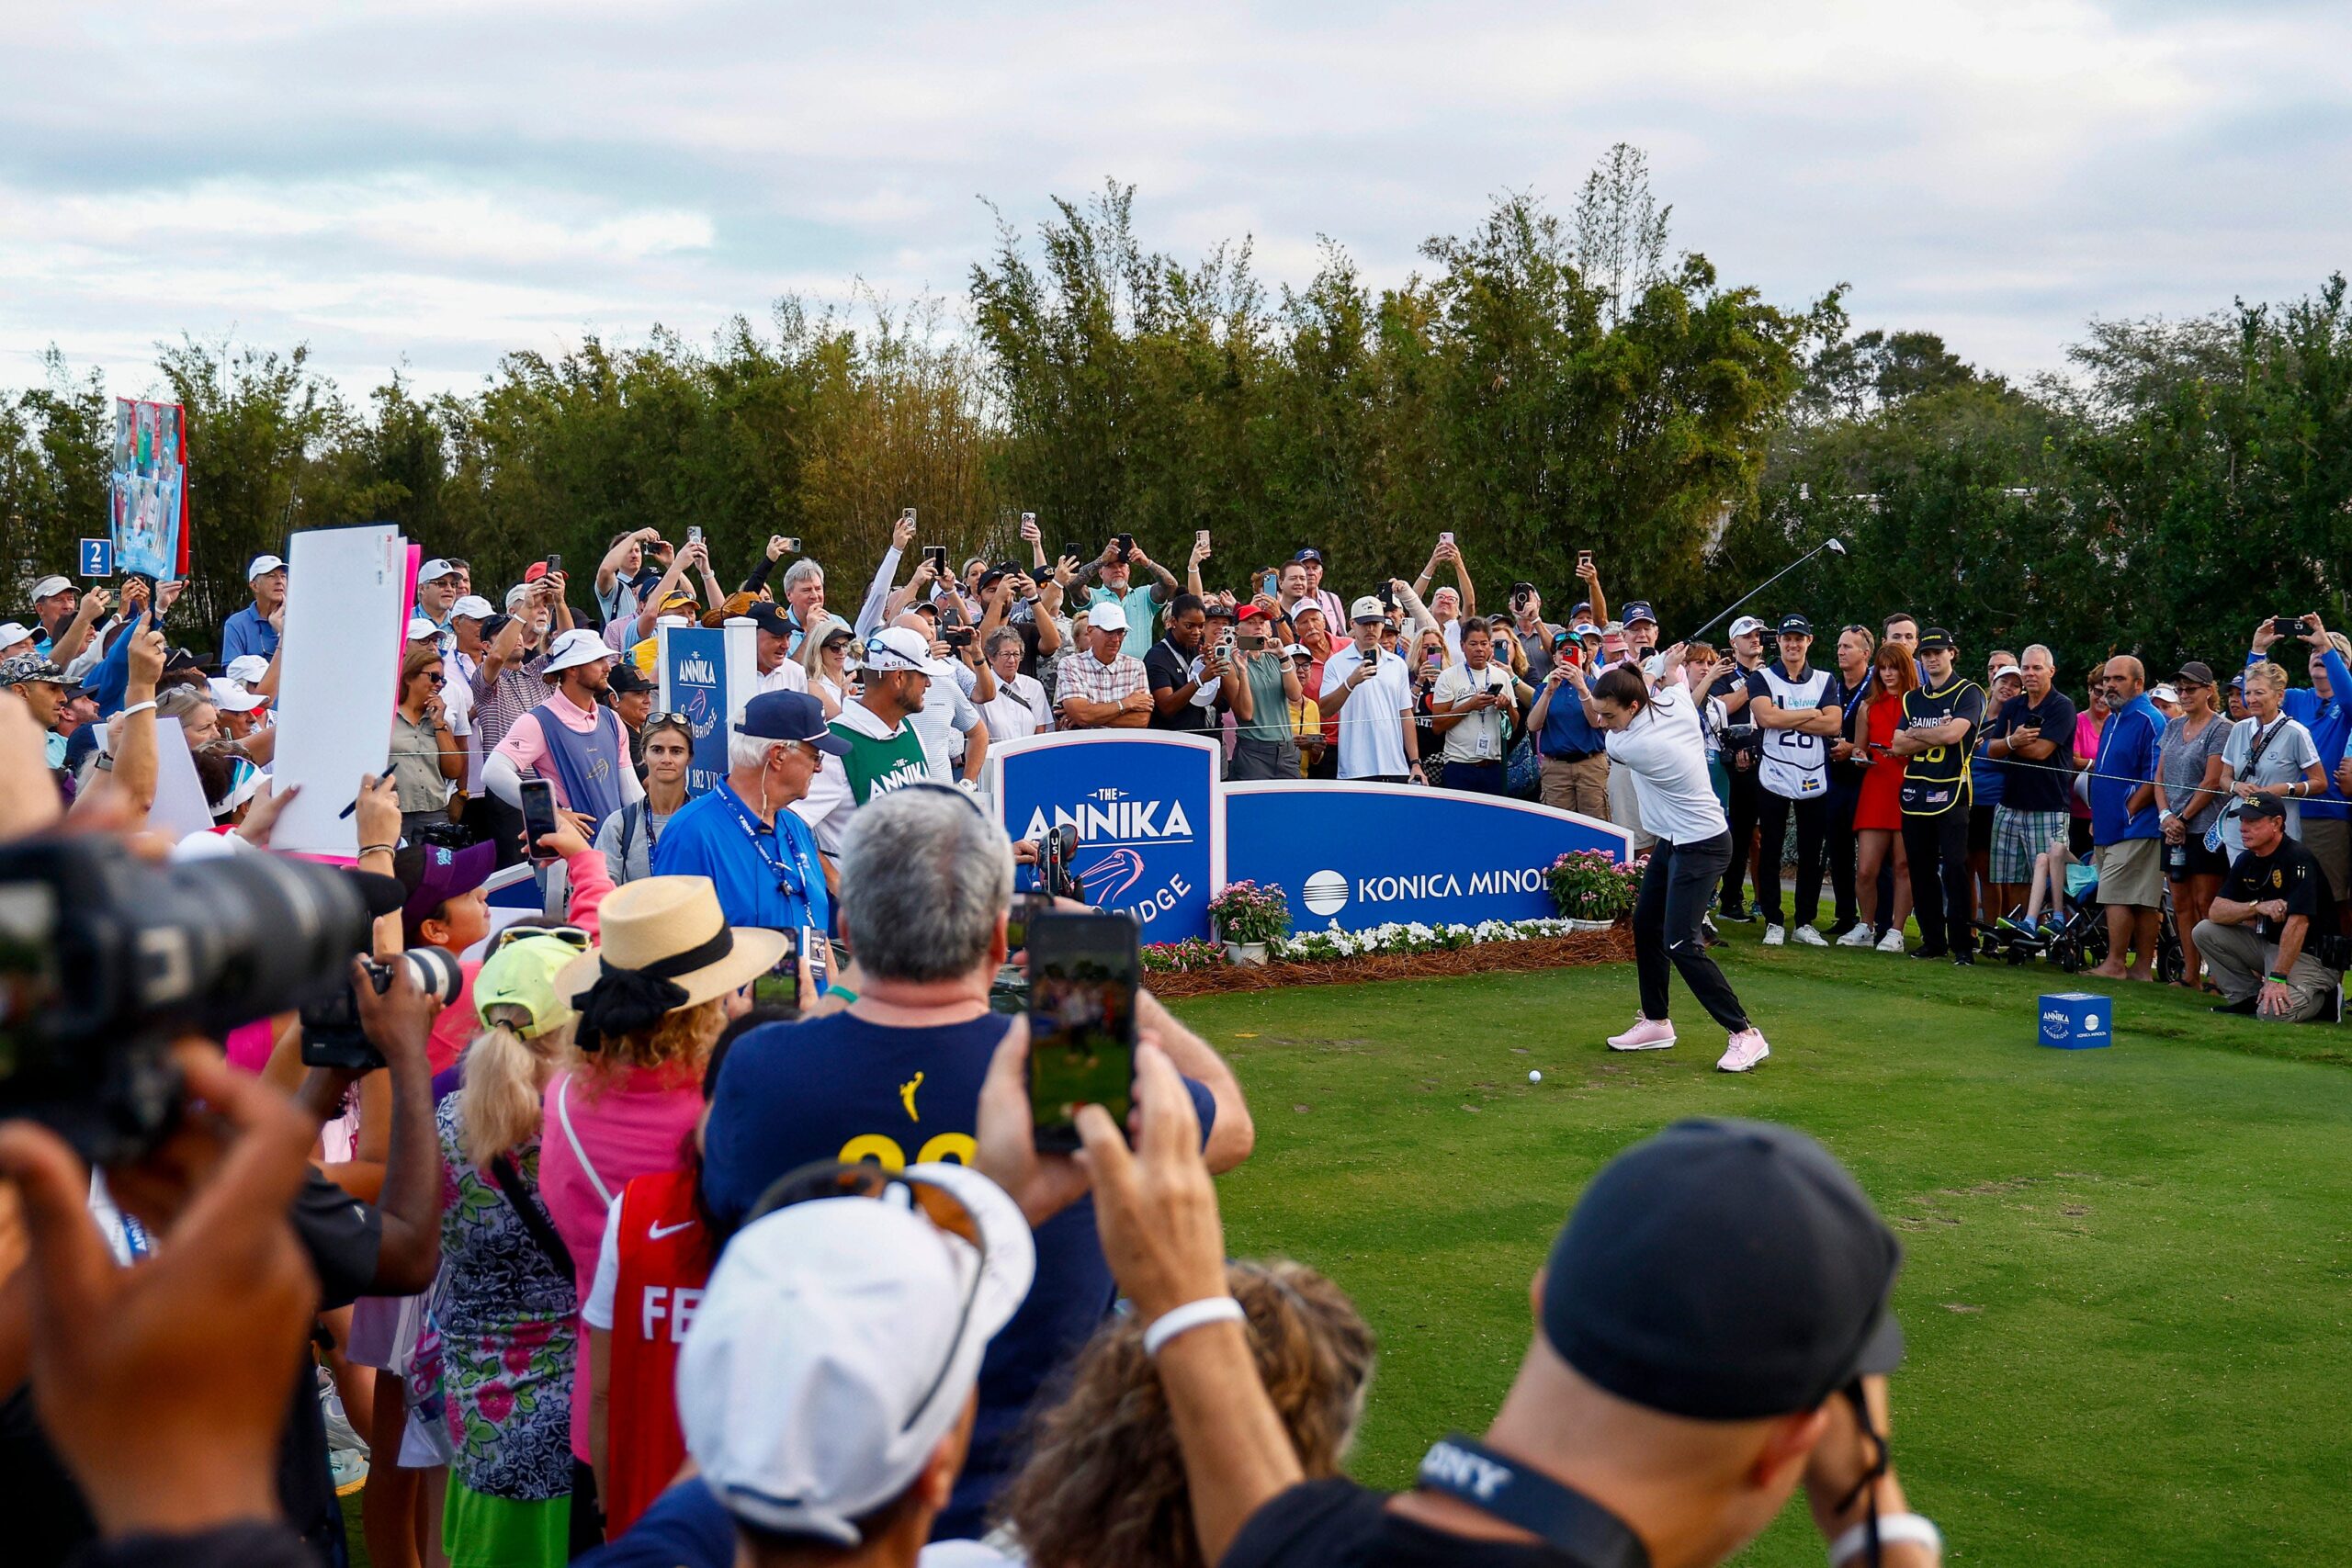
(1544, 383)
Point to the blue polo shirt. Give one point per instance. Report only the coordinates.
(2127, 754)
(716, 835)
(1565, 729)
(2330, 723)
(246, 632)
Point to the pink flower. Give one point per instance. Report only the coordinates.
(517, 1359)
(496, 1401)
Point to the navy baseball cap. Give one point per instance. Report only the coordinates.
(627, 678)
(1723, 1271)
(1639, 609)
(1310, 553)
(2258, 806)
(1935, 639)
(768, 618)
(789, 716)
(1795, 626)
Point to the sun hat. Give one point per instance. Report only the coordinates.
(577, 647)
(839, 1341)
(665, 945)
(522, 974)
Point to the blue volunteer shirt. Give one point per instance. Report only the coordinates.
(2126, 754)
(246, 632)
(1565, 729)
(839, 1088)
(686, 1527)
(766, 876)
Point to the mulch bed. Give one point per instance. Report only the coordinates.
(1612, 946)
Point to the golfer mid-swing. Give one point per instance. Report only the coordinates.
(1655, 736)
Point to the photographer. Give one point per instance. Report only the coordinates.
(926, 881)
(1265, 697)
(1368, 692)
(354, 1249)
(1191, 686)
(1137, 607)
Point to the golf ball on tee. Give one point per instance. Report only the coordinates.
(1534, 1076)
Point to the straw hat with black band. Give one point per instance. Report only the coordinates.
(665, 947)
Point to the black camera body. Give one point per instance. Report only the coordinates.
(331, 1035)
(1055, 877)
(105, 960)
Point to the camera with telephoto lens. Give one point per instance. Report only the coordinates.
(331, 1033)
(1055, 877)
(104, 960)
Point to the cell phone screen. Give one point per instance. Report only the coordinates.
(538, 817)
(1083, 972)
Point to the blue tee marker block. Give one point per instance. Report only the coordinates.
(2077, 1021)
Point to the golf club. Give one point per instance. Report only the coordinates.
(1833, 545)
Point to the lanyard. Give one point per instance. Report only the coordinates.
(1571, 1522)
(792, 881)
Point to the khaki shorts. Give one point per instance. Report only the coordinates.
(2132, 870)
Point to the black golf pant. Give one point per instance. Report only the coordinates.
(1741, 792)
(1675, 888)
(1941, 895)
(1772, 830)
(1838, 843)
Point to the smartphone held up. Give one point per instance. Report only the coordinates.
(1084, 972)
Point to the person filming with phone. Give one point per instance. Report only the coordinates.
(1476, 706)
(926, 888)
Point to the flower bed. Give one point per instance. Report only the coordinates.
(1405, 961)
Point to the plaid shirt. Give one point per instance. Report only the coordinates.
(1087, 678)
(498, 703)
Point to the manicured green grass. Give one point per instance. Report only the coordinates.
(2128, 1290)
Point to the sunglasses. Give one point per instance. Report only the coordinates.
(677, 718)
(438, 680)
(827, 1180)
(570, 936)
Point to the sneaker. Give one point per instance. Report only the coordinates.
(1931, 952)
(340, 1432)
(1745, 1050)
(1741, 915)
(1893, 941)
(2245, 1008)
(1809, 936)
(348, 1467)
(1648, 1034)
(1775, 934)
(1859, 936)
(1963, 958)
(1709, 934)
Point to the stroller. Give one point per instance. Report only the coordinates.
(2080, 942)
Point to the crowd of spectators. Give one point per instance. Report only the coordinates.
(570, 1287)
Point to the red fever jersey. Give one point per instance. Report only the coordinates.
(665, 1261)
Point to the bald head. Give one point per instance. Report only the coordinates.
(2124, 679)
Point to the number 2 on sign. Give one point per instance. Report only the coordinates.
(884, 1150)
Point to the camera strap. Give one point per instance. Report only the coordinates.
(535, 1219)
(1572, 1523)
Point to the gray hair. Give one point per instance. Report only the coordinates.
(925, 876)
(999, 637)
(2042, 648)
(801, 572)
(751, 750)
(178, 702)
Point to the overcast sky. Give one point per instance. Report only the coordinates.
(434, 182)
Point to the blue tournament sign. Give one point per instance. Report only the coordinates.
(704, 674)
(1144, 804)
(98, 558)
(1357, 855)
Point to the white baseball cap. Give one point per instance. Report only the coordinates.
(2166, 693)
(1746, 624)
(49, 585)
(421, 630)
(898, 648)
(837, 1344)
(246, 667)
(2008, 670)
(1110, 616)
(1297, 650)
(472, 605)
(517, 593)
(577, 647)
(1367, 608)
(14, 632)
(263, 566)
(435, 570)
(231, 697)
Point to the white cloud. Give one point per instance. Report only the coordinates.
(448, 181)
